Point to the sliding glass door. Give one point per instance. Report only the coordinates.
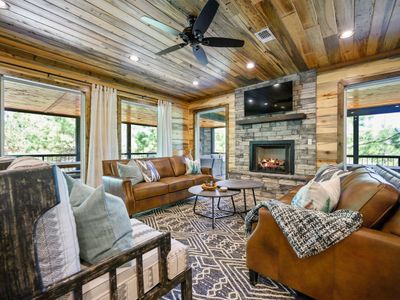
(43, 121)
(211, 140)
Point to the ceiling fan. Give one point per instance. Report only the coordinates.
(193, 35)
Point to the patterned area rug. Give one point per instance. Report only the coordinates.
(217, 256)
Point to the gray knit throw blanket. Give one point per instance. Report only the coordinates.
(309, 232)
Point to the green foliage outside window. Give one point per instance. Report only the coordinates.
(26, 133)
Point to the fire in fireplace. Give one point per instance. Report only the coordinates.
(272, 156)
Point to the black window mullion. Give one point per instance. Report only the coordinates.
(356, 130)
(128, 140)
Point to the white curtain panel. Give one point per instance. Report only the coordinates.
(164, 129)
(103, 143)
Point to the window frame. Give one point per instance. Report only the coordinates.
(80, 128)
(129, 152)
(367, 111)
(213, 150)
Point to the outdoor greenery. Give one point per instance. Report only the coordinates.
(144, 138)
(27, 133)
(378, 134)
(219, 140)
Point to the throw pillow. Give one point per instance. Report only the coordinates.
(326, 172)
(389, 175)
(149, 171)
(56, 241)
(323, 196)
(192, 166)
(131, 171)
(102, 223)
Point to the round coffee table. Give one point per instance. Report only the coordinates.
(198, 191)
(239, 184)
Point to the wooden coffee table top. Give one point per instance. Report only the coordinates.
(240, 184)
(198, 191)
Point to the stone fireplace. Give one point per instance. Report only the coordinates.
(280, 150)
(276, 157)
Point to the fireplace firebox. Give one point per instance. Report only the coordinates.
(272, 156)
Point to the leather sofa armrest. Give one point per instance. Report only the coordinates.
(206, 171)
(118, 186)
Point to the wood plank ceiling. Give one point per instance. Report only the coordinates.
(98, 36)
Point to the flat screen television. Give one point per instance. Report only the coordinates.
(269, 99)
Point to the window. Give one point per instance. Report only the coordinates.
(374, 136)
(218, 140)
(138, 130)
(42, 121)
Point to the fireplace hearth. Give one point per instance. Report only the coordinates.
(272, 157)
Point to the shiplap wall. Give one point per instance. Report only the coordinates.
(328, 99)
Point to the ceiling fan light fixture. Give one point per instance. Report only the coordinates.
(346, 34)
(4, 5)
(134, 58)
(250, 65)
(195, 82)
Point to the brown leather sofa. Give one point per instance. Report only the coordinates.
(173, 185)
(365, 265)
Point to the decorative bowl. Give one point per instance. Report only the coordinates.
(206, 187)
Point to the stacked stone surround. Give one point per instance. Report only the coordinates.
(303, 132)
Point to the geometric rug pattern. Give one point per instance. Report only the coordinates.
(217, 256)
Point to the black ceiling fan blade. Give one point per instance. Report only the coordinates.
(222, 42)
(200, 55)
(171, 49)
(205, 17)
(160, 25)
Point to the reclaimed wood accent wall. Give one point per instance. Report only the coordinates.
(213, 102)
(330, 97)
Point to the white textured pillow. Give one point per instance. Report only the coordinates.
(323, 196)
(192, 166)
(56, 241)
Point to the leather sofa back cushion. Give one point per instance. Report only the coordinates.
(163, 166)
(367, 192)
(393, 224)
(178, 165)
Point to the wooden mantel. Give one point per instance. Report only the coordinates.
(269, 119)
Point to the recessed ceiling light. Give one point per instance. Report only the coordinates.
(275, 105)
(265, 103)
(134, 58)
(282, 107)
(276, 84)
(346, 34)
(195, 82)
(250, 100)
(3, 5)
(250, 65)
(397, 106)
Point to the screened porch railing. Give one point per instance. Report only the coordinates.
(386, 160)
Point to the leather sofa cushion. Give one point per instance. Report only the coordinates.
(163, 166)
(199, 178)
(393, 224)
(145, 190)
(367, 192)
(177, 183)
(178, 165)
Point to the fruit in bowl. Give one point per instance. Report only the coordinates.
(209, 186)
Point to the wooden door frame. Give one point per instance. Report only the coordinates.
(226, 107)
(342, 86)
